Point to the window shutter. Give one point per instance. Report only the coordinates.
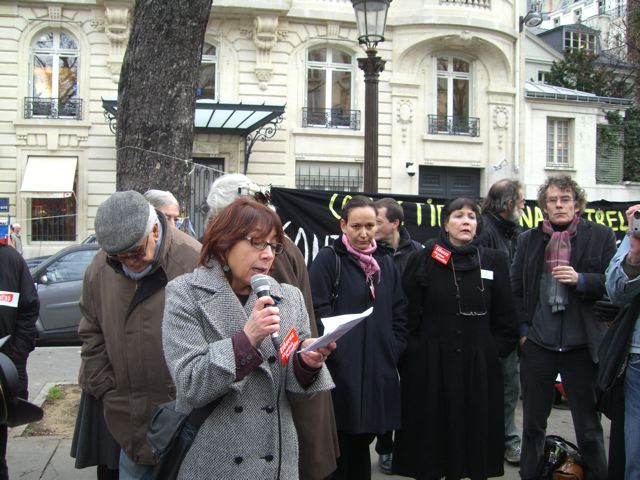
(609, 154)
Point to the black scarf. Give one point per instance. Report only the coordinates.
(464, 257)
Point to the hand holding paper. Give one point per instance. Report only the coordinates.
(336, 327)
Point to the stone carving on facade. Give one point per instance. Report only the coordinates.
(55, 12)
(404, 116)
(500, 124)
(265, 38)
(333, 30)
(117, 30)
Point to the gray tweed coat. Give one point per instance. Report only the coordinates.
(239, 440)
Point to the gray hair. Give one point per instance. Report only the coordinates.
(225, 189)
(158, 198)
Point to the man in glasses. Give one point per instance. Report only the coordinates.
(313, 417)
(122, 306)
(501, 211)
(557, 275)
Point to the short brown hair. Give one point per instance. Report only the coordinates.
(563, 182)
(241, 218)
(394, 209)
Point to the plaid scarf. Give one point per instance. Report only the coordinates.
(558, 253)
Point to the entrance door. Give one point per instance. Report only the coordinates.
(449, 182)
(205, 172)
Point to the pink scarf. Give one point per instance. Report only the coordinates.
(368, 264)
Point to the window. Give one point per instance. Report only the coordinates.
(609, 154)
(329, 176)
(556, 21)
(453, 103)
(578, 15)
(71, 267)
(558, 142)
(54, 77)
(575, 40)
(207, 73)
(53, 219)
(330, 89)
(542, 76)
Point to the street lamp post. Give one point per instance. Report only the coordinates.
(371, 17)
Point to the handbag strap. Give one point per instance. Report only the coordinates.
(198, 415)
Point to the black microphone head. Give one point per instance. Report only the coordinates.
(260, 284)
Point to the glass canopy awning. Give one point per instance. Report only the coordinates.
(253, 121)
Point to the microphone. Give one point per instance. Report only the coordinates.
(260, 285)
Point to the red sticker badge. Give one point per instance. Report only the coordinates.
(441, 254)
(288, 346)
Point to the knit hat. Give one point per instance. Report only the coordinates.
(227, 188)
(123, 220)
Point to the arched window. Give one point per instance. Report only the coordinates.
(54, 76)
(207, 73)
(330, 89)
(453, 101)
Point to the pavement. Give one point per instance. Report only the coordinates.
(47, 458)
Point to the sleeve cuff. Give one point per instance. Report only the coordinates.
(632, 271)
(248, 357)
(580, 284)
(304, 374)
(524, 329)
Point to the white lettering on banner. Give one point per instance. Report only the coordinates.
(9, 299)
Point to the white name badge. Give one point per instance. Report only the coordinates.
(486, 274)
(9, 299)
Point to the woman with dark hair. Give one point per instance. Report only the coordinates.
(461, 321)
(215, 338)
(366, 399)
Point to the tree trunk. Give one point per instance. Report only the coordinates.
(156, 96)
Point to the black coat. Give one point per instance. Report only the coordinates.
(17, 318)
(452, 396)
(364, 366)
(592, 248)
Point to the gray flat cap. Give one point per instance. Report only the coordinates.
(121, 221)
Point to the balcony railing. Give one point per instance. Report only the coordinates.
(53, 107)
(441, 125)
(331, 118)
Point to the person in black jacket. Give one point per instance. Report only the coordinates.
(557, 275)
(501, 210)
(393, 239)
(364, 365)
(19, 308)
(461, 322)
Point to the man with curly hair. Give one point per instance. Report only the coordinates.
(557, 275)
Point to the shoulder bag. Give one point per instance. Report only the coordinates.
(170, 435)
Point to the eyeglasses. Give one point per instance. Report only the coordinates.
(262, 244)
(564, 199)
(136, 254)
(481, 288)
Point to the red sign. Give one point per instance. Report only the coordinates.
(288, 346)
(441, 254)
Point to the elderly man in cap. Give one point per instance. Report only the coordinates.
(313, 417)
(122, 305)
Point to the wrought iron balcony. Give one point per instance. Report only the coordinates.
(331, 118)
(441, 125)
(468, 3)
(53, 107)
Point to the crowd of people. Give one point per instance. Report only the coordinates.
(460, 325)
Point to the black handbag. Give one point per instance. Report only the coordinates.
(170, 435)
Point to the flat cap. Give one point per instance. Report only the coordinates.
(122, 221)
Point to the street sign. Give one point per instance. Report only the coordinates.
(4, 204)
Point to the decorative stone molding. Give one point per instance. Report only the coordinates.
(55, 12)
(117, 30)
(97, 24)
(265, 38)
(404, 116)
(333, 30)
(500, 124)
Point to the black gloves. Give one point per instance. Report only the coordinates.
(604, 310)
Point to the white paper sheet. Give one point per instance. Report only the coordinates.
(335, 327)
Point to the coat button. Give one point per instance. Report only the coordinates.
(243, 362)
(269, 409)
(268, 458)
(459, 332)
(458, 350)
(249, 357)
(238, 460)
(238, 409)
(272, 359)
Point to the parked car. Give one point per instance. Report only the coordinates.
(58, 279)
(32, 262)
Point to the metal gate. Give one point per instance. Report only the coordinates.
(205, 171)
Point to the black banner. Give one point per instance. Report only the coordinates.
(311, 217)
